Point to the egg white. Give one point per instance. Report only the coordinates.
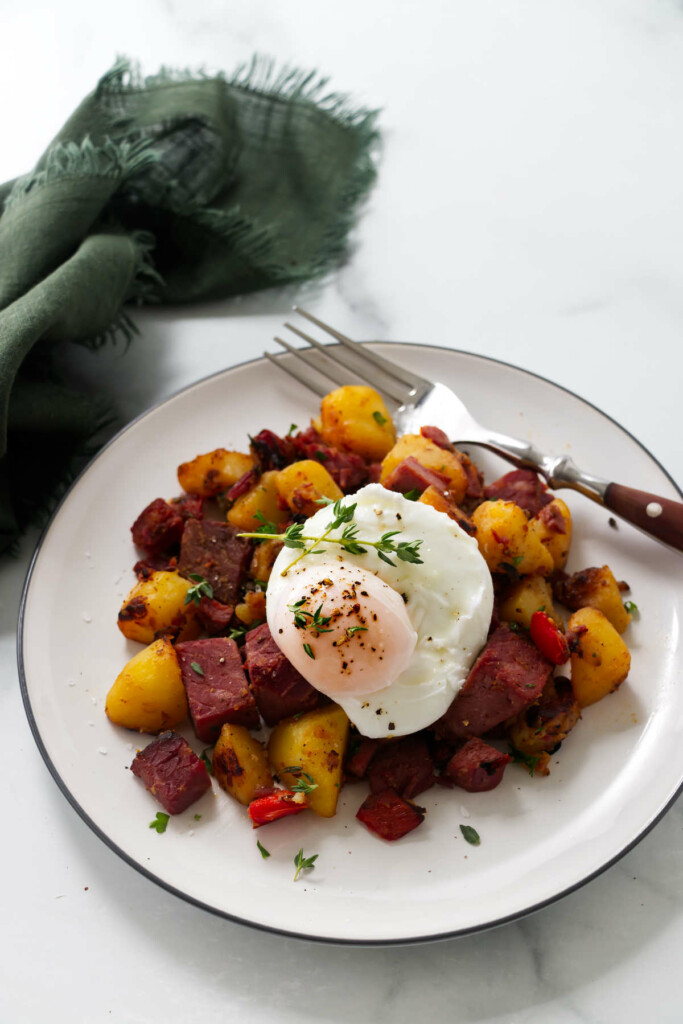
(448, 598)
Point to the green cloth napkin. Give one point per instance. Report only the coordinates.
(173, 188)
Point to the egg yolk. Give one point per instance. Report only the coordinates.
(344, 629)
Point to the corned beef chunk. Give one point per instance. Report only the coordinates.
(244, 484)
(553, 518)
(216, 686)
(361, 752)
(213, 550)
(189, 506)
(347, 469)
(403, 765)
(214, 616)
(157, 528)
(172, 772)
(409, 475)
(271, 451)
(509, 674)
(280, 690)
(475, 478)
(477, 766)
(389, 816)
(438, 436)
(156, 563)
(523, 487)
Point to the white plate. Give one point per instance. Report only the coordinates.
(540, 838)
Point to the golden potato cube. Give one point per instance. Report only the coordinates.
(315, 742)
(262, 560)
(556, 542)
(157, 605)
(602, 660)
(505, 539)
(596, 588)
(148, 695)
(252, 610)
(261, 498)
(532, 594)
(442, 502)
(240, 763)
(213, 472)
(429, 455)
(355, 418)
(303, 484)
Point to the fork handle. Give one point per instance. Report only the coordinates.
(660, 517)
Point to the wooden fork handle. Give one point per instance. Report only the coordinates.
(660, 517)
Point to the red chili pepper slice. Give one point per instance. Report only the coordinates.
(549, 638)
(276, 805)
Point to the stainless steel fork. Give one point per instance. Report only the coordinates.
(423, 402)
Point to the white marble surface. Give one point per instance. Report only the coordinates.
(528, 208)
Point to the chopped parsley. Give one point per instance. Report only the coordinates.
(160, 822)
(413, 494)
(470, 835)
(631, 607)
(378, 418)
(196, 667)
(528, 760)
(264, 853)
(309, 652)
(204, 756)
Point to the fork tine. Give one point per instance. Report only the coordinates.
(399, 373)
(327, 350)
(318, 389)
(307, 357)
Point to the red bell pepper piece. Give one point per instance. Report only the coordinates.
(549, 638)
(277, 804)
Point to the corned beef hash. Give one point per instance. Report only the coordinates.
(339, 605)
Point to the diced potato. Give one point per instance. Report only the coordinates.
(263, 558)
(532, 594)
(253, 609)
(602, 659)
(261, 498)
(547, 723)
(157, 605)
(505, 539)
(596, 588)
(442, 502)
(315, 742)
(303, 483)
(240, 763)
(148, 695)
(355, 418)
(557, 543)
(429, 455)
(213, 472)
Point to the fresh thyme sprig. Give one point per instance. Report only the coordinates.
(302, 863)
(294, 537)
(202, 588)
(304, 782)
(317, 621)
